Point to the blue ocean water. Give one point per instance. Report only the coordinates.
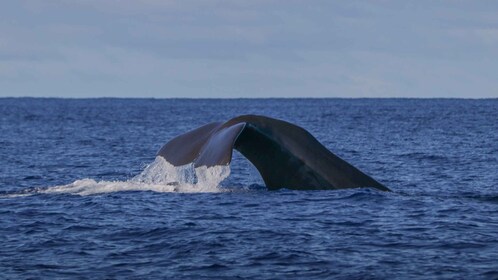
(80, 195)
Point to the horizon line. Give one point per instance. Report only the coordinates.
(233, 98)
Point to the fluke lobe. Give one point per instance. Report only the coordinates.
(286, 155)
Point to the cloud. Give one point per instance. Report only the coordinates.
(248, 48)
(487, 37)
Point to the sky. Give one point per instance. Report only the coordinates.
(241, 48)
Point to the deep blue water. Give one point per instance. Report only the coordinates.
(69, 207)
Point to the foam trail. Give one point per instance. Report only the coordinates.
(159, 176)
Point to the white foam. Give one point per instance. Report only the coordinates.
(159, 176)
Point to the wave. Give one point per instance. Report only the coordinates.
(159, 176)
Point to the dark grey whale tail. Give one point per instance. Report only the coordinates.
(286, 155)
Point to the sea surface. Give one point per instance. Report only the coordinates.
(82, 194)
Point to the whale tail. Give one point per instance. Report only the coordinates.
(286, 155)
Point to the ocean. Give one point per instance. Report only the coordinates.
(82, 194)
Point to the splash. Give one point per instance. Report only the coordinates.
(159, 176)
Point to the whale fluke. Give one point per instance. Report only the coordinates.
(286, 155)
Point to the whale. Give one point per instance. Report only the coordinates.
(285, 154)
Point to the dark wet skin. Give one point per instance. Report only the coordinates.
(286, 155)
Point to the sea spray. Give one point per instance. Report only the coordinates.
(185, 178)
(159, 176)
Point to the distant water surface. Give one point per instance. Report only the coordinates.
(82, 195)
